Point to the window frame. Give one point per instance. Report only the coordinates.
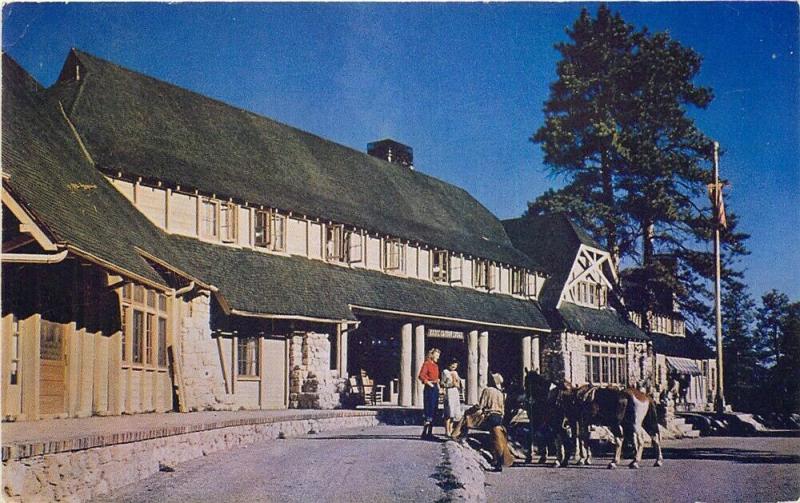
(228, 227)
(209, 220)
(442, 275)
(336, 248)
(278, 239)
(248, 366)
(355, 252)
(393, 248)
(606, 363)
(262, 220)
(143, 314)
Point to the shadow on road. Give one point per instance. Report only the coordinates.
(372, 437)
(732, 454)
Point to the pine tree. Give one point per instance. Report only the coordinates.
(742, 373)
(787, 370)
(636, 166)
(769, 326)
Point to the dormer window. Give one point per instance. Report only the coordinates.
(393, 255)
(227, 222)
(518, 283)
(208, 221)
(269, 230)
(484, 274)
(531, 287)
(335, 246)
(441, 266)
(591, 294)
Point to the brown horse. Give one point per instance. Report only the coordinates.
(547, 404)
(626, 413)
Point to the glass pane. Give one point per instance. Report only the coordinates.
(595, 369)
(162, 342)
(138, 332)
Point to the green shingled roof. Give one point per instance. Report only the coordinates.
(284, 285)
(690, 346)
(602, 322)
(552, 242)
(145, 127)
(51, 177)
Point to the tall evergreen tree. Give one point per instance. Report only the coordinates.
(787, 370)
(769, 326)
(617, 131)
(741, 369)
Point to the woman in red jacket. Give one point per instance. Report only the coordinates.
(429, 375)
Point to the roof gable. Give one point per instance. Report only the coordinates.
(52, 179)
(145, 127)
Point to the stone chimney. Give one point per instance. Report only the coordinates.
(392, 151)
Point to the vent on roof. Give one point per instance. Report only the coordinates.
(392, 151)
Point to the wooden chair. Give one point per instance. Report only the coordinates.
(372, 393)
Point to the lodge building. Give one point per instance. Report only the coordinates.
(166, 251)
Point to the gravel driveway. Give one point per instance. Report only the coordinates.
(385, 463)
(709, 469)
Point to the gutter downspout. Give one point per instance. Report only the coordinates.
(34, 258)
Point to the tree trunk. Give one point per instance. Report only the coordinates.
(647, 262)
(608, 196)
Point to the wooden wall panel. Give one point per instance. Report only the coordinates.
(152, 202)
(315, 240)
(296, 237)
(183, 214)
(373, 253)
(275, 374)
(126, 188)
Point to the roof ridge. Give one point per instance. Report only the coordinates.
(415, 172)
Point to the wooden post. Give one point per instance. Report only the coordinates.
(419, 359)
(472, 367)
(74, 341)
(7, 333)
(720, 399)
(526, 354)
(30, 332)
(405, 365)
(86, 374)
(536, 360)
(483, 360)
(262, 368)
(343, 351)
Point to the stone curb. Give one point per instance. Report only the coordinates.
(461, 474)
(89, 472)
(26, 449)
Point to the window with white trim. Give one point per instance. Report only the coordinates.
(531, 284)
(440, 268)
(227, 222)
(144, 326)
(591, 294)
(518, 283)
(247, 356)
(278, 232)
(208, 219)
(606, 363)
(481, 273)
(336, 249)
(393, 255)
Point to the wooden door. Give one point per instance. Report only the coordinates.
(52, 388)
(275, 374)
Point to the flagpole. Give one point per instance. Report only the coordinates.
(720, 399)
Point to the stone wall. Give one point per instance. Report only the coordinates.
(640, 365)
(312, 384)
(81, 475)
(203, 381)
(552, 347)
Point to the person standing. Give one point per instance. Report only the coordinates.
(452, 384)
(429, 376)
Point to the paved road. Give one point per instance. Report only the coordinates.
(711, 469)
(385, 463)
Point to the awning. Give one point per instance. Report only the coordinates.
(684, 365)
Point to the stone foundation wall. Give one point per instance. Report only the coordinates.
(84, 474)
(204, 384)
(640, 365)
(575, 358)
(312, 383)
(551, 348)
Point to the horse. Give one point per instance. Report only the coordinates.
(626, 413)
(548, 404)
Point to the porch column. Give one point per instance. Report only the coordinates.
(526, 354)
(419, 358)
(405, 365)
(535, 355)
(472, 367)
(483, 359)
(343, 350)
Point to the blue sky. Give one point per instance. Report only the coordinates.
(463, 84)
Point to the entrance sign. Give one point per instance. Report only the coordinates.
(438, 333)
